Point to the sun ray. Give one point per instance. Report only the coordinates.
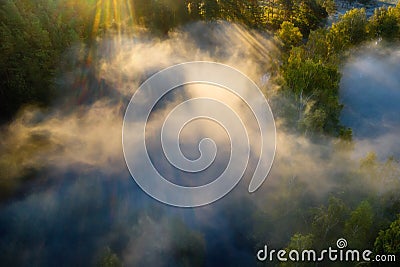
(113, 16)
(97, 18)
(107, 12)
(130, 10)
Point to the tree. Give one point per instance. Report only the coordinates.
(388, 241)
(315, 87)
(187, 246)
(289, 35)
(307, 15)
(287, 8)
(329, 5)
(316, 46)
(329, 221)
(299, 242)
(358, 227)
(109, 259)
(211, 9)
(384, 23)
(34, 36)
(353, 25)
(349, 30)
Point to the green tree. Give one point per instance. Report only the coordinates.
(307, 15)
(287, 9)
(388, 241)
(109, 259)
(315, 87)
(349, 30)
(369, 165)
(316, 46)
(211, 9)
(329, 222)
(187, 246)
(289, 35)
(358, 226)
(384, 23)
(299, 242)
(329, 5)
(34, 36)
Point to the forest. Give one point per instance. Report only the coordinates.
(66, 197)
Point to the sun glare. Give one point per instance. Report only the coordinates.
(114, 15)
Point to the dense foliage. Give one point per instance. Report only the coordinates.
(311, 70)
(34, 34)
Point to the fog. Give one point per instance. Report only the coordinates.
(72, 197)
(370, 91)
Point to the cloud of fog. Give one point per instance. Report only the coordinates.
(370, 91)
(89, 138)
(75, 151)
(90, 135)
(125, 63)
